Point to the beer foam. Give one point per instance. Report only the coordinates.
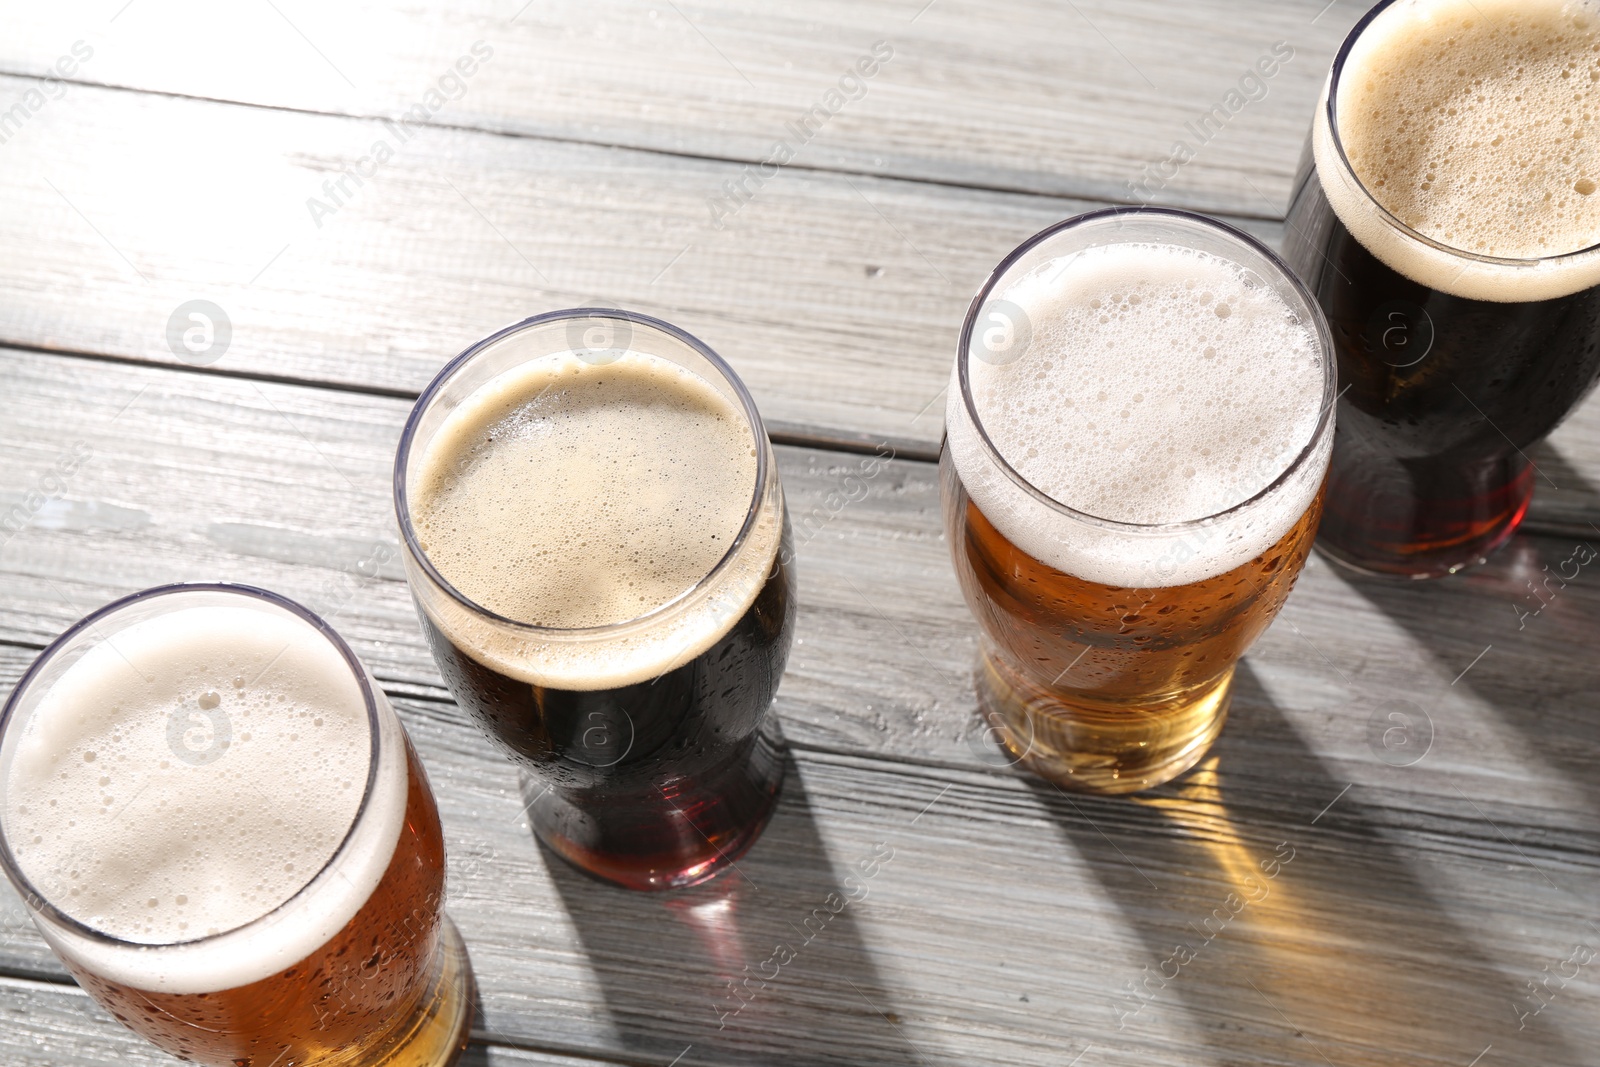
(187, 777)
(1160, 385)
(567, 494)
(1476, 123)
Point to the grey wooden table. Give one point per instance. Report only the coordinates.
(364, 189)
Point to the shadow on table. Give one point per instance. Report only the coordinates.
(1283, 941)
(754, 967)
(1564, 497)
(1522, 639)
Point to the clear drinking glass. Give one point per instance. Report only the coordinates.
(1455, 365)
(651, 760)
(1109, 647)
(211, 717)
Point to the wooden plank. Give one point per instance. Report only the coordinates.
(842, 328)
(1029, 95)
(53, 1025)
(1374, 940)
(1011, 920)
(836, 298)
(191, 476)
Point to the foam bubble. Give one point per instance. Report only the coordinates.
(1476, 123)
(189, 776)
(567, 494)
(1161, 385)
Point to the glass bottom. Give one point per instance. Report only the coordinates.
(1094, 747)
(1422, 521)
(653, 879)
(438, 1032)
(656, 842)
(1425, 564)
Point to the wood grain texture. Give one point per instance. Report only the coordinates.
(1014, 924)
(839, 300)
(194, 477)
(1033, 96)
(1012, 918)
(52, 1025)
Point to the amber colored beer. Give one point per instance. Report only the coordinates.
(217, 687)
(1137, 436)
(380, 991)
(1147, 670)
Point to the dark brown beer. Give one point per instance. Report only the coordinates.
(656, 783)
(1441, 218)
(599, 561)
(1446, 397)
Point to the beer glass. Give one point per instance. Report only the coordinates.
(219, 826)
(1138, 430)
(597, 544)
(1459, 285)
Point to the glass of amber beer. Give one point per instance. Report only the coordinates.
(596, 541)
(220, 827)
(1139, 424)
(1447, 219)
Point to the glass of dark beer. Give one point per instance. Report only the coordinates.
(221, 829)
(597, 543)
(1139, 423)
(1446, 217)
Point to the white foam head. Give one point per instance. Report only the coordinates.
(567, 494)
(189, 782)
(1467, 154)
(1160, 391)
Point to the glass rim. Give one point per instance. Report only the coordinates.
(747, 405)
(1317, 320)
(1334, 78)
(40, 903)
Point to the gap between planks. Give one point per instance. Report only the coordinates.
(799, 169)
(795, 435)
(20, 982)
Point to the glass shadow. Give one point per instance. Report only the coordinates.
(1286, 922)
(763, 964)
